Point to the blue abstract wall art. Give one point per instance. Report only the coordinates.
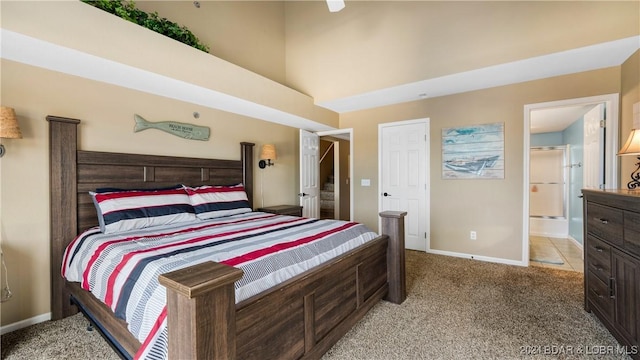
(473, 152)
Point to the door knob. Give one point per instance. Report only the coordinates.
(302, 194)
(386, 194)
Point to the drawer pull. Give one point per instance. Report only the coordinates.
(603, 221)
(597, 294)
(599, 249)
(599, 268)
(612, 288)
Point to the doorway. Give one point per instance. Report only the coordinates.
(587, 130)
(403, 165)
(335, 177)
(314, 191)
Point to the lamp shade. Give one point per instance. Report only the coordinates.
(9, 124)
(268, 152)
(632, 146)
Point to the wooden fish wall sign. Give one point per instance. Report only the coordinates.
(187, 131)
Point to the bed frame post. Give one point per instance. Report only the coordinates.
(63, 143)
(201, 311)
(393, 226)
(246, 156)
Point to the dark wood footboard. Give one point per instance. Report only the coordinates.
(301, 319)
(201, 311)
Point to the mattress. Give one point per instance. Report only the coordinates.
(122, 269)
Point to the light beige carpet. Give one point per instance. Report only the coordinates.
(456, 309)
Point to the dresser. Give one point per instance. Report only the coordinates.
(612, 263)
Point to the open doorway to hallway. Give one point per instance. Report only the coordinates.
(335, 178)
(335, 173)
(569, 145)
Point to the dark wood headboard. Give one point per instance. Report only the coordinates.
(74, 172)
(131, 171)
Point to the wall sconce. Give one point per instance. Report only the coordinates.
(9, 128)
(632, 147)
(267, 154)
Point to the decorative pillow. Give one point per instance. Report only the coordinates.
(137, 209)
(215, 201)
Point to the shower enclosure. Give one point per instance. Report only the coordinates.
(548, 191)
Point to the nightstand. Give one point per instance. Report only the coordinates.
(293, 210)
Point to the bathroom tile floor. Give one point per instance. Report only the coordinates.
(570, 253)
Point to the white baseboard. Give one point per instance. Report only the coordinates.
(24, 323)
(558, 228)
(478, 257)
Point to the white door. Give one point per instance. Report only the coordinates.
(309, 174)
(404, 177)
(594, 153)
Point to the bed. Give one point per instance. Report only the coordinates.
(300, 318)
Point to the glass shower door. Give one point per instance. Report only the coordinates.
(547, 197)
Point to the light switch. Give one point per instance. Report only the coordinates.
(365, 182)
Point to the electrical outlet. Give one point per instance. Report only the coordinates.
(473, 235)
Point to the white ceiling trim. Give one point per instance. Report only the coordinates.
(28, 50)
(31, 51)
(593, 57)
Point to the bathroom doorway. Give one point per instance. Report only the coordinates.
(570, 145)
(550, 242)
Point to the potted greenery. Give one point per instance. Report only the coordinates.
(128, 11)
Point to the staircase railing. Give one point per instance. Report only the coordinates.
(326, 152)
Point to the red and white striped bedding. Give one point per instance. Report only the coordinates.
(122, 269)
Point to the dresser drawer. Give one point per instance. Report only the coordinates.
(598, 258)
(632, 232)
(598, 295)
(605, 222)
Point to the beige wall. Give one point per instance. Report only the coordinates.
(96, 32)
(345, 180)
(106, 112)
(377, 44)
(629, 95)
(249, 34)
(493, 208)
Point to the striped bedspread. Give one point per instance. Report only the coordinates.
(122, 269)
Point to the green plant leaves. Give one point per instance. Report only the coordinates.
(152, 21)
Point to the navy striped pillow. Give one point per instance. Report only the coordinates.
(128, 210)
(216, 201)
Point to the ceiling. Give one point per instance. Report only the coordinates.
(557, 118)
(603, 55)
(40, 53)
(598, 56)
